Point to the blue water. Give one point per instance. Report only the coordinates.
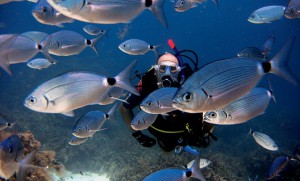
(213, 33)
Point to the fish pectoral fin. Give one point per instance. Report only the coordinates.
(69, 113)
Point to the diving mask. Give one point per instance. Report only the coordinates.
(167, 73)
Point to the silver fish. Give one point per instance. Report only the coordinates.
(241, 110)
(77, 141)
(251, 52)
(36, 36)
(94, 30)
(65, 43)
(292, 10)
(137, 47)
(4, 124)
(266, 14)
(268, 45)
(159, 101)
(92, 122)
(46, 14)
(177, 174)
(184, 5)
(74, 90)
(143, 120)
(221, 82)
(108, 11)
(8, 1)
(11, 151)
(16, 49)
(264, 140)
(203, 163)
(39, 63)
(111, 95)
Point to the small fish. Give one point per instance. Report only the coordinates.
(221, 82)
(251, 52)
(66, 43)
(4, 124)
(264, 140)
(292, 10)
(11, 151)
(268, 45)
(279, 163)
(203, 163)
(94, 30)
(178, 174)
(40, 63)
(137, 47)
(46, 14)
(109, 11)
(92, 122)
(143, 120)
(8, 1)
(77, 141)
(159, 101)
(266, 14)
(241, 110)
(74, 90)
(183, 5)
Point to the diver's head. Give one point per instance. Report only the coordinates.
(167, 70)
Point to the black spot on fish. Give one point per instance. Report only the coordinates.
(148, 3)
(188, 173)
(88, 42)
(151, 47)
(106, 116)
(266, 66)
(39, 47)
(111, 81)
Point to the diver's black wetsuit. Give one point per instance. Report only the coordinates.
(169, 129)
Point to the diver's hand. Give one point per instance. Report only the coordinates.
(144, 139)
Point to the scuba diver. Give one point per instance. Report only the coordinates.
(177, 128)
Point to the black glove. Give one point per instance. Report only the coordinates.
(144, 139)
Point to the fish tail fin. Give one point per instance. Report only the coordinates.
(5, 66)
(216, 2)
(123, 79)
(112, 112)
(196, 171)
(154, 48)
(93, 44)
(279, 63)
(158, 11)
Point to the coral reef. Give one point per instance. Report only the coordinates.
(44, 162)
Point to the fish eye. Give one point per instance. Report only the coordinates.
(32, 99)
(44, 9)
(149, 103)
(79, 129)
(102, 31)
(181, 2)
(187, 97)
(212, 115)
(124, 45)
